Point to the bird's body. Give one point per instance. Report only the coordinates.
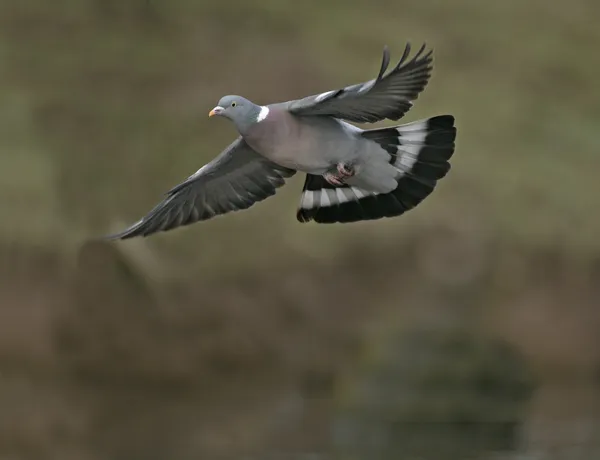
(302, 144)
(352, 174)
(299, 142)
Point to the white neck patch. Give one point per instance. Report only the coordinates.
(264, 111)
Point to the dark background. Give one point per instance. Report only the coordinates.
(466, 329)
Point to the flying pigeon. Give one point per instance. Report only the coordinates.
(352, 174)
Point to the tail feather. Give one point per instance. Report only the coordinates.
(420, 151)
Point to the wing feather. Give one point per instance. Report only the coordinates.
(385, 97)
(234, 180)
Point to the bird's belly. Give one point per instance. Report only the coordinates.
(302, 156)
(305, 160)
(306, 146)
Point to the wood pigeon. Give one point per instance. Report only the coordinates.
(351, 174)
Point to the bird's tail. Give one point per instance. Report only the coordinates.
(420, 151)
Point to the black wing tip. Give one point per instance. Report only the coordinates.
(130, 232)
(417, 59)
(418, 55)
(441, 122)
(304, 216)
(385, 62)
(112, 237)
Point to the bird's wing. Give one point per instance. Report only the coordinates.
(387, 96)
(234, 180)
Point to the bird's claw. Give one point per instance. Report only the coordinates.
(338, 179)
(333, 179)
(345, 170)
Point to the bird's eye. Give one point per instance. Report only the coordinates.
(233, 104)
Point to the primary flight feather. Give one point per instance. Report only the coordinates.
(351, 174)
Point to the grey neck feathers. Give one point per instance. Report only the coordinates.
(248, 120)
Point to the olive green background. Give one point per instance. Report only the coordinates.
(466, 329)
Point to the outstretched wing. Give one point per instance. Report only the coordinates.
(234, 180)
(387, 96)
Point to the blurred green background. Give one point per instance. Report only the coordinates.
(466, 329)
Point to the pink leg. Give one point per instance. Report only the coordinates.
(345, 170)
(333, 179)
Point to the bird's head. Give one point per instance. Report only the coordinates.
(238, 109)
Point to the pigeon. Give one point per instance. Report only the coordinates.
(352, 174)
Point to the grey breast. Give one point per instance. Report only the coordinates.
(308, 144)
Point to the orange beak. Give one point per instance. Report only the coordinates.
(216, 111)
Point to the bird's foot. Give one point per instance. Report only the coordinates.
(333, 179)
(345, 170)
(338, 178)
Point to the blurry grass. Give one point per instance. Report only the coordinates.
(106, 109)
(27, 175)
